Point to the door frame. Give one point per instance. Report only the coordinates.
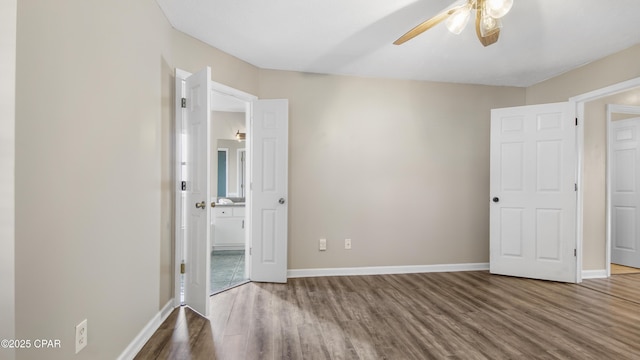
(180, 76)
(580, 102)
(611, 109)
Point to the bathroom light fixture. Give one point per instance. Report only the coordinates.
(241, 136)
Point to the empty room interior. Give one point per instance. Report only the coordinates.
(396, 180)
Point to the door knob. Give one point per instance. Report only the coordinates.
(213, 204)
(281, 201)
(496, 199)
(200, 205)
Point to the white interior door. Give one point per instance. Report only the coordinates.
(625, 199)
(269, 169)
(197, 249)
(533, 194)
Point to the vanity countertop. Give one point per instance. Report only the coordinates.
(230, 205)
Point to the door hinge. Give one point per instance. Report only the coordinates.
(250, 250)
(182, 268)
(243, 223)
(575, 252)
(184, 103)
(575, 187)
(183, 186)
(576, 121)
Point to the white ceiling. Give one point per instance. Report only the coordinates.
(539, 40)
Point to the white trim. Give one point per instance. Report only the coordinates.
(145, 334)
(607, 91)
(594, 274)
(580, 101)
(239, 172)
(386, 270)
(618, 109)
(181, 75)
(227, 90)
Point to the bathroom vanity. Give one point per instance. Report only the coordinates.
(227, 226)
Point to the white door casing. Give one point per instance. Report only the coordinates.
(624, 158)
(197, 248)
(533, 194)
(269, 187)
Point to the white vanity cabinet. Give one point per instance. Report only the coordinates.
(227, 227)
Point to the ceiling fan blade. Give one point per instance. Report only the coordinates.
(488, 39)
(427, 25)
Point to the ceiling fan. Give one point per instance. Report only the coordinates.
(488, 23)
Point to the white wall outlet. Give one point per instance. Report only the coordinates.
(347, 244)
(81, 335)
(323, 245)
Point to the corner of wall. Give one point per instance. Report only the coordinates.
(8, 15)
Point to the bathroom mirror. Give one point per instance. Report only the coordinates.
(228, 160)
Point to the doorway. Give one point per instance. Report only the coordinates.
(593, 225)
(262, 219)
(228, 217)
(623, 187)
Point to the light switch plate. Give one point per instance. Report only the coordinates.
(323, 244)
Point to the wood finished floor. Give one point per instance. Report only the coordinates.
(621, 269)
(465, 315)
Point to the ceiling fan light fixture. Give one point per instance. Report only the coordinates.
(489, 25)
(498, 8)
(458, 20)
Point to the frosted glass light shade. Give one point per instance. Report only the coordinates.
(456, 22)
(498, 8)
(489, 25)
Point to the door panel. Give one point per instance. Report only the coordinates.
(197, 247)
(269, 169)
(625, 199)
(533, 205)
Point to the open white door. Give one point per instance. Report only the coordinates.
(533, 192)
(197, 248)
(624, 158)
(269, 169)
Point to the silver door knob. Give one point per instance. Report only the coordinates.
(201, 205)
(281, 201)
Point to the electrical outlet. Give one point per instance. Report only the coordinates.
(81, 335)
(347, 244)
(323, 244)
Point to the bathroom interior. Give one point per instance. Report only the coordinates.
(228, 176)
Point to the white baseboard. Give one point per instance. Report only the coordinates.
(145, 334)
(386, 270)
(594, 274)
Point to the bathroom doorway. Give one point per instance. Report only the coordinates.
(228, 216)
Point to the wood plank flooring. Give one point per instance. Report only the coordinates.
(465, 315)
(621, 269)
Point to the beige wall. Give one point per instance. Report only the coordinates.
(94, 167)
(400, 167)
(610, 70)
(595, 155)
(7, 174)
